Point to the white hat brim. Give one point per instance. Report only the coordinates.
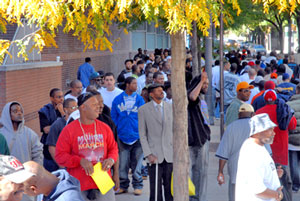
(19, 176)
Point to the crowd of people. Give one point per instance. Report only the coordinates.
(260, 101)
(125, 122)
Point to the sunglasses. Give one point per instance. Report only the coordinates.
(74, 107)
(99, 79)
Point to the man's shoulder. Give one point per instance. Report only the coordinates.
(60, 122)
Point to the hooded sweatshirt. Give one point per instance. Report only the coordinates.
(24, 143)
(68, 188)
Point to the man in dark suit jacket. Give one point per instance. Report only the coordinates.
(156, 136)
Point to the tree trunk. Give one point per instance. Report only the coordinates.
(180, 124)
(290, 36)
(199, 55)
(194, 48)
(208, 69)
(281, 41)
(298, 27)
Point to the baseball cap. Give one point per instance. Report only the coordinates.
(258, 79)
(270, 95)
(244, 85)
(260, 123)
(84, 97)
(285, 76)
(245, 107)
(269, 85)
(13, 170)
(251, 63)
(274, 75)
(94, 75)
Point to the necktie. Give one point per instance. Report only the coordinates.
(158, 108)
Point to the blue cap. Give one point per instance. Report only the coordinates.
(285, 76)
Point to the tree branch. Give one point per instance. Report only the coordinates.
(273, 23)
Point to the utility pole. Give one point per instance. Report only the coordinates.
(221, 72)
(208, 69)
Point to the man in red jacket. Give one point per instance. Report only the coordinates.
(280, 143)
(85, 142)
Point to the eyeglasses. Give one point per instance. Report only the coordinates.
(74, 107)
(98, 79)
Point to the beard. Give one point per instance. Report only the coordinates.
(267, 140)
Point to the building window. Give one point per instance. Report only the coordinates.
(149, 37)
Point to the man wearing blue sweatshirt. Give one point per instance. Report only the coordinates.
(58, 185)
(124, 113)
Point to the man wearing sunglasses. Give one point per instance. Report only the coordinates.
(70, 105)
(243, 90)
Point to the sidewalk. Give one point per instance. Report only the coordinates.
(214, 191)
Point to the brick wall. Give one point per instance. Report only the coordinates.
(29, 84)
(71, 53)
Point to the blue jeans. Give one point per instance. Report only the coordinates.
(199, 158)
(131, 156)
(294, 157)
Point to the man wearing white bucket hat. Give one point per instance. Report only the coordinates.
(257, 176)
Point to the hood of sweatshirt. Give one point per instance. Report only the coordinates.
(66, 183)
(6, 118)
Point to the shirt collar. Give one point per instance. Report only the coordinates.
(155, 104)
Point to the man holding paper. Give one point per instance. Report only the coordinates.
(85, 142)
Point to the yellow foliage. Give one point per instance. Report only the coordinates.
(90, 20)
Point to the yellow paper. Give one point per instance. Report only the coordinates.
(102, 179)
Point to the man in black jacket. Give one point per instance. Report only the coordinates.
(199, 135)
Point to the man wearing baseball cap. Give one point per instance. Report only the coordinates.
(12, 175)
(228, 151)
(257, 177)
(280, 145)
(243, 90)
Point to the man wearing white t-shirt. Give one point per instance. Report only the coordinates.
(111, 91)
(76, 89)
(257, 177)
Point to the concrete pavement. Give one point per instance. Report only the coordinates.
(214, 191)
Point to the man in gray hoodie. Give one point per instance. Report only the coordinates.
(23, 143)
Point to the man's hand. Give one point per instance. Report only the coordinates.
(116, 179)
(280, 171)
(107, 164)
(87, 166)
(151, 158)
(60, 108)
(204, 77)
(221, 178)
(279, 190)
